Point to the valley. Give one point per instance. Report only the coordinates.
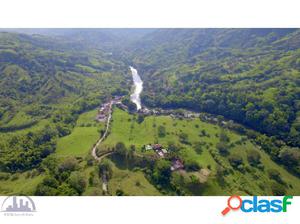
(199, 112)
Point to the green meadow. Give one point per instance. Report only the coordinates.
(83, 137)
(20, 184)
(255, 181)
(125, 128)
(131, 182)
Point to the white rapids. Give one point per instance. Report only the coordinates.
(138, 88)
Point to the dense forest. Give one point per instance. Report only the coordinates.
(248, 75)
(48, 81)
(53, 80)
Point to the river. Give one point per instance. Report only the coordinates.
(138, 88)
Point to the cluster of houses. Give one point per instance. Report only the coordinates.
(105, 108)
(103, 112)
(214, 120)
(158, 148)
(122, 106)
(177, 164)
(117, 100)
(183, 114)
(186, 115)
(173, 113)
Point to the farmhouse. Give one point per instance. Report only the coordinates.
(165, 151)
(103, 112)
(177, 164)
(148, 147)
(160, 151)
(144, 111)
(121, 106)
(157, 147)
(101, 117)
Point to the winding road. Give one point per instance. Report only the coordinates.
(135, 98)
(94, 150)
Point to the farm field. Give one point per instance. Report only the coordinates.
(82, 138)
(125, 128)
(131, 182)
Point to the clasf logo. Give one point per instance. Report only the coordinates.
(256, 205)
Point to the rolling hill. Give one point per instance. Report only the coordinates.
(243, 85)
(248, 75)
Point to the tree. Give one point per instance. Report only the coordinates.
(220, 174)
(45, 135)
(131, 106)
(203, 133)
(162, 172)
(278, 189)
(194, 180)
(184, 138)
(132, 148)
(140, 118)
(191, 165)
(44, 190)
(66, 190)
(275, 175)
(63, 129)
(161, 131)
(119, 92)
(223, 136)
(50, 164)
(121, 148)
(235, 160)
(290, 157)
(253, 157)
(120, 192)
(77, 181)
(48, 187)
(69, 165)
(223, 148)
(198, 146)
(89, 160)
(172, 147)
(105, 168)
(50, 181)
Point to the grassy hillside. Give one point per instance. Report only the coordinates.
(244, 83)
(131, 182)
(249, 180)
(84, 135)
(19, 184)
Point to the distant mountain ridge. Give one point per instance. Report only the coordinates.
(248, 75)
